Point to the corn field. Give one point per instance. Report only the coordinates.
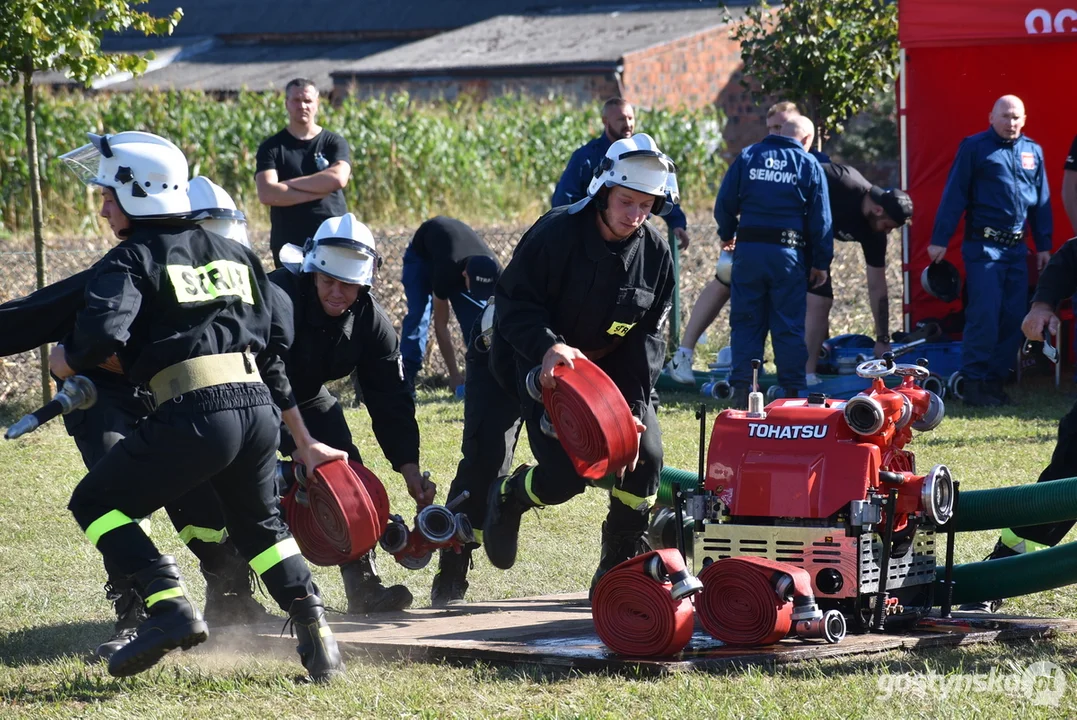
(494, 162)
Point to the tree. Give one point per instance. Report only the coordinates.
(64, 35)
(831, 58)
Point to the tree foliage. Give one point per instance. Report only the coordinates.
(66, 35)
(831, 58)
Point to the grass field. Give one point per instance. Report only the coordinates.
(52, 609)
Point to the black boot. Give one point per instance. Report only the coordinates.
(173, 622)
(995, 389)
(506, 503)
(129, 615)
(977, 394)
(450, 584)
(230, 589)
(317, 647)
(365, 592)
(616, 548)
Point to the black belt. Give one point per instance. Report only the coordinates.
(772, 236)
(1006, 238)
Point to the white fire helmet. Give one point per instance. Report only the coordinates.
(213, 208)
(342, 248)
(636, 163)
(147, 172)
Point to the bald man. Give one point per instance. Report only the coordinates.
(999, 184)
(715, 294)
(774, 201)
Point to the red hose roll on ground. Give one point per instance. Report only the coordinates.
(592, 419)
(739, 605)
(343, 509)
(635, 614)
(312, 542)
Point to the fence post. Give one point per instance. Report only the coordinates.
(675, 311)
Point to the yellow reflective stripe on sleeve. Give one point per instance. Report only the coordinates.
(1018, 544)
(636, 502)
(527, 487)
(164, 595)
(206, 535)
(324, 631)
(279, 552)
(210, 281)
(106, 523)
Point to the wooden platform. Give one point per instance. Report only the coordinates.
(556, 631)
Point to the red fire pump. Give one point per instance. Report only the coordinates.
(826, 491)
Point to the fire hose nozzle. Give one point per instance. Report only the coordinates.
(77, 393)
(25, 424)
(830, 627)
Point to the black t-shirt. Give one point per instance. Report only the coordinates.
(847, 187)
(292, 158)
(1071, 158)
(445, 245)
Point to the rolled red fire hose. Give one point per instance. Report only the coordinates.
(636, 615)
(312, 542)
(346, 513)
(592, 419)
(739, 604)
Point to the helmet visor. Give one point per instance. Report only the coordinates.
(84, 163)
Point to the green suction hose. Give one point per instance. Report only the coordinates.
(1017, 506)
(1009, 577)
(670, 475)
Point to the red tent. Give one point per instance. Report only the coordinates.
(957, 58)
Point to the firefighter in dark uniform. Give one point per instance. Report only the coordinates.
(47, 316)
(1057, 282)
(774, 201)
(446, 264)
(491, 430)
(861, 213)
(998, 182)
(190, 314)
(341, 328)
(594, 280)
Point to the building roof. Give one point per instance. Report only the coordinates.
(258, 17)
(210, 65)
(257, 67)
(596, 40)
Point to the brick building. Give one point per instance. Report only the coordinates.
(669, 58)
